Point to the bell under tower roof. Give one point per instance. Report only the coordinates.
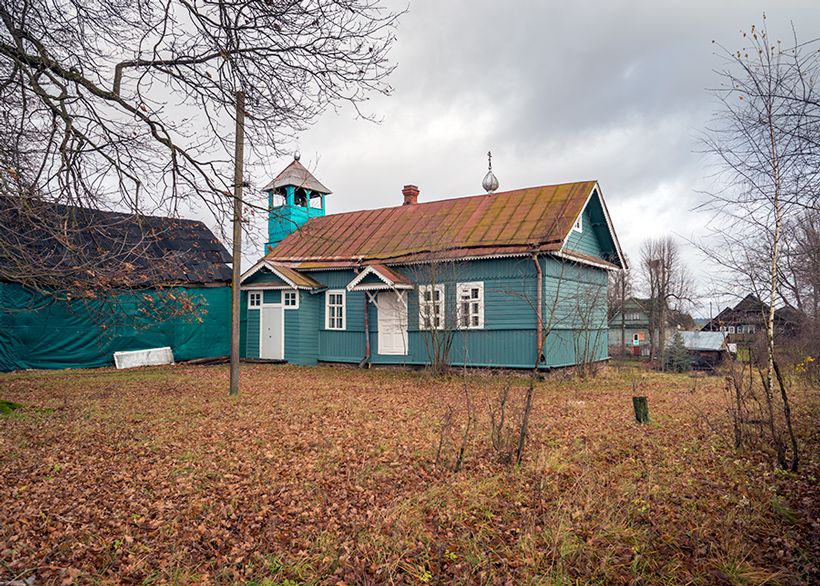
(296, 175)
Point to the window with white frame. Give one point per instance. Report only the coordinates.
(579, 224)
(431, 307)
(335, 310)
(290, 299)
(471, 305)
(255, 299)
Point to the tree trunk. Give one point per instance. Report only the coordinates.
(662, 333)
(525, 419)
(641, 407)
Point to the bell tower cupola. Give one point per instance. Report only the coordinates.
(294, 196)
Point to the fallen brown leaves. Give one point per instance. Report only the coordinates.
(327, 475)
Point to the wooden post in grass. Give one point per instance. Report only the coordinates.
(641, 409)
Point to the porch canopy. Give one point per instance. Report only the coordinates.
(284, 277)
(379, 278)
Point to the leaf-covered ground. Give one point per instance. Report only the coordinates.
(328, 475)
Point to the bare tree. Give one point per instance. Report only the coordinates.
(669, 285)
(800, 282)
(765, 140)
(590, 325)
(438, 309)
(114, 104)
(618, 293)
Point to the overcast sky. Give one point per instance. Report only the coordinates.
(615, 91)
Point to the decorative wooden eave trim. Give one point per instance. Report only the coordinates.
(389, 284)
(571, 257)
(265, 264)
(265, 286)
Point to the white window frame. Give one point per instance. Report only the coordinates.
(255, 299)
(295, 293)
(425, 304)
(463, 289)
(578, 226)
(731, 329)
(343, 305)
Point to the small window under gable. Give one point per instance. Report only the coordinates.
(290, 299)
(471, 305)
(335, 309)
(431, 307)
(255, 299)
(579, 224)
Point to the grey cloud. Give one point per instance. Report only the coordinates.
(615, 91)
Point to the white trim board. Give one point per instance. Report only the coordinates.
(262, 264)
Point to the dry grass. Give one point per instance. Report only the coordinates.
(326, 475)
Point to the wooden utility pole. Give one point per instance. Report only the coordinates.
(623, 313)
(238, 180)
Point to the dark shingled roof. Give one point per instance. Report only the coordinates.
(172, 251)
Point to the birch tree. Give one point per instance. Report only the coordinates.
(764, 138)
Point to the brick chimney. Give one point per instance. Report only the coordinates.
(411, 195)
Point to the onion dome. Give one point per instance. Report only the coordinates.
(490, 182)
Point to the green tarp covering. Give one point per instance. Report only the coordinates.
(38, 332)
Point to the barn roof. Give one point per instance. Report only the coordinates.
(522, 221)
(156, 250)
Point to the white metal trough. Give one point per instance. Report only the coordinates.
(149, 357)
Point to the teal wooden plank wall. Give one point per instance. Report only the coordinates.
(252, 340)
(243, 326)
(509, 337)
(263, 276)
(594, 239)
(302, 328)
(574, 311)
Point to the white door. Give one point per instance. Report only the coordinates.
(392, 322)
(272, 333)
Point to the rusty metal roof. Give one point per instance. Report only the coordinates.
(535, 219)
(296, 174)
(294, 277)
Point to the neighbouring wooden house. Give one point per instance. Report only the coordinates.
(629, 328)
(747, 320)
(509, 279)
(177, 294)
